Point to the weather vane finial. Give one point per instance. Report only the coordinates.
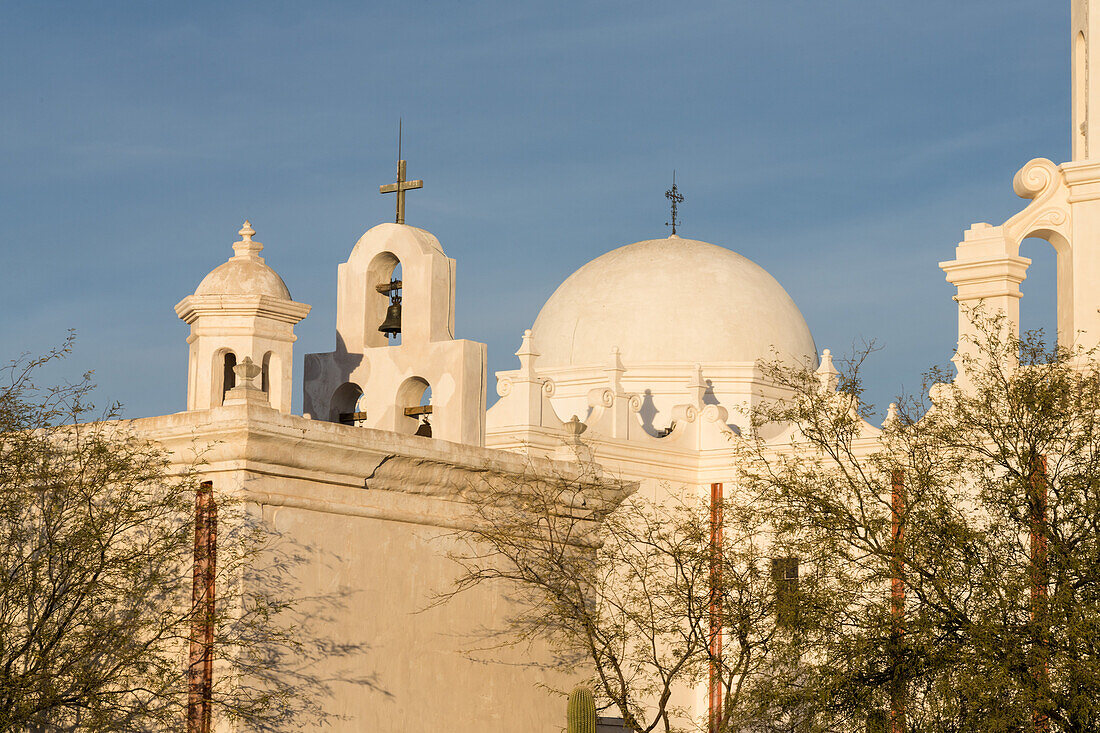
(402, 185)
(673, 194)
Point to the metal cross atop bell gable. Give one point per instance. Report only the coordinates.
(401, 186)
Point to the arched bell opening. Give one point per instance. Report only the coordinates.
(347, 405)
(1039, 292)
(384, 288)
(1046, 300)
(414, 407)
(222, 372)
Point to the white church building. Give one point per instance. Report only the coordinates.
(400, 416)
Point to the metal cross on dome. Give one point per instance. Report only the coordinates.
(677, 198)
(401, 186)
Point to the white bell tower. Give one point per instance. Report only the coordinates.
(397, 365)
(1063, 209)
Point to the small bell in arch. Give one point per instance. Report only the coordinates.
(392, 325)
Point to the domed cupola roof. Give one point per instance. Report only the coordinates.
(668, 301)
(245, 273)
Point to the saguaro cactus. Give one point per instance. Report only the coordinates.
(581, 714)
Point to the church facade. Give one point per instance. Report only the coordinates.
(398, 420)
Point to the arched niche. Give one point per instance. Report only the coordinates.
(1039, 292)
(1080, 96)
(347, 405)
(1038, 308)
(222, 374)
(265, 374)
(272, 381)
(413, 407)
(385, 268)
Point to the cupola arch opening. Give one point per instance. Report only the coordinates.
(224, 361)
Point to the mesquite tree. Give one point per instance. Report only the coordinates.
(946, 568)
(970, 537)
(96, 542)
(632, 593)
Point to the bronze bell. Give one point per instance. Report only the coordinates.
(392, 325)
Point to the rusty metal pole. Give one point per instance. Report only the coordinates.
(200, 671)
(897, 596)
(715, 705)
(208, 632)
(1037, 505)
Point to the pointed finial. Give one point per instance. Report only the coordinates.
(527, 354)
(247, 247)
(697, 387)
(828, 374)
(891, 415)
(615, 370)
(525, 346)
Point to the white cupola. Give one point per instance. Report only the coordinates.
(242, 309)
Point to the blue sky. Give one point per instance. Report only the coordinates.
(844, 146)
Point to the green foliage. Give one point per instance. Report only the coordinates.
(96, 541)
(580, 714)
(999, 552)
(948, 565)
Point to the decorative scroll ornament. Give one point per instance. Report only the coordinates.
(1048, 214)
(715, 413)
(1036, 179)
(504, 386)
(1050, 217)
(601, 397)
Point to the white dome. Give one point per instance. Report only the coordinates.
(670, 301)
(245, 273)
(239, 276)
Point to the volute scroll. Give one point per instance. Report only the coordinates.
(1048, 216)
(1037, 179)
